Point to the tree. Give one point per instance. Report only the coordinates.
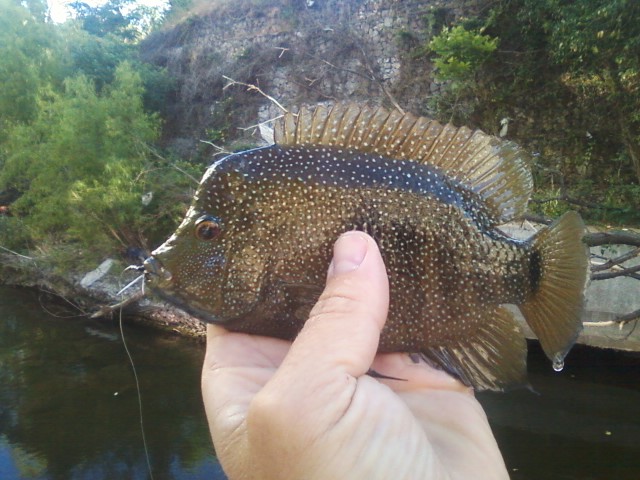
(460, 53)
(124, 19)
(598, 42)
(76, 164)
(28, 59)
(567, 76)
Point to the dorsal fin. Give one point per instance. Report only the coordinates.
(496, 170)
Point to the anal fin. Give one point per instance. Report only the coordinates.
(494, 358)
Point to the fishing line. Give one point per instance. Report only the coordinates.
(135, 376)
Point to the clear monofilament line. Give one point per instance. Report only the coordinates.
(131, 284)
(135, 376)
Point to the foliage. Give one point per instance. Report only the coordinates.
(83, 145)
(460, 53)
(13, 233)
(93, 56)
(124, 19)
(28, 60)
(82, 166)
(566, 76)
(436, 19)
(76, 135)
(98, 57)
(598, 42)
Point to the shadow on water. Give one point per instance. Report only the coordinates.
(68, 406)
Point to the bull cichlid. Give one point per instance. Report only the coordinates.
(253, 250)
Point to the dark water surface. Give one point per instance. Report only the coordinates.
(69, 407)
(582, 423)
(68, 402)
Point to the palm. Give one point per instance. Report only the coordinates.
(396, 412)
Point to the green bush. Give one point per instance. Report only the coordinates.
(84, 164)
(460, 53)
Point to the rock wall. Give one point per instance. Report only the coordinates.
(298, 52)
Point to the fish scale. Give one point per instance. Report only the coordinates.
(253, 250)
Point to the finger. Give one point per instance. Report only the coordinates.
(318, 378)
(236, 366)
(343, 329)
(230, 349)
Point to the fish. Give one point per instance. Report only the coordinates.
(253, 249)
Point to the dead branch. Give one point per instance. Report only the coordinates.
(253, 88)
(532, 217)
(616, 261)
(621, 320)
(371, 76)
(595, 239)
(257, 125)
(220, 150)
(282, 51)
(15, 253)
(109, 309)
(153, 152)
(618, 273)
(612, 238)
(380, 84)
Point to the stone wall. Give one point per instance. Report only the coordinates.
(298, 52)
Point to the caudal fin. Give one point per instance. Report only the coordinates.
(559, 269)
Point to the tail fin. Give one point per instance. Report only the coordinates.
(559, 268)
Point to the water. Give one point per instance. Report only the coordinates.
(68, 403)
(68, 406)
(582, 423)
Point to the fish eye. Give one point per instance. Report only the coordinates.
(207, 227)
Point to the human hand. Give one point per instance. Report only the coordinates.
(308, 409)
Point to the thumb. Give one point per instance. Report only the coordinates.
(316, 383)
(344, 326)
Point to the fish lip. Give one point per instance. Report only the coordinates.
(158, 279)
(185, 306)
(153, 269)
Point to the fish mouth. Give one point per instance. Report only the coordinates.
(159, 279)
(186, 306)
(155, 272)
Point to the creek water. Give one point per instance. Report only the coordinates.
(69, 405)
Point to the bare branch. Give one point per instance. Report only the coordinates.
(253, 88)
(257, 125)
(619, 273)
(532, 217)
(221, 150)
(15, 253)
(380, 84)
(616, 261)
(109, 309)
(160, 157)
(620, 320)
(616, 237)
(282, 50)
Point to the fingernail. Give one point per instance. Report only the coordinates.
(348, 253)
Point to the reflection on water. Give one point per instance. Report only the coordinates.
(68, 406)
